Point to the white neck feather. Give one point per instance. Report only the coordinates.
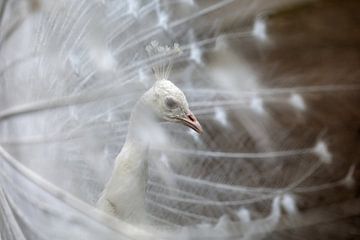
(124, 194)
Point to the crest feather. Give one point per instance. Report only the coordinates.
(162, 70)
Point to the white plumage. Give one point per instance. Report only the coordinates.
(70, 77)
(124, 194)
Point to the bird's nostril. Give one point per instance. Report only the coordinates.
(191, 117)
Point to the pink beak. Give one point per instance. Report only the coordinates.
(191, 121)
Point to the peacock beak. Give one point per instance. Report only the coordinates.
(191, 121)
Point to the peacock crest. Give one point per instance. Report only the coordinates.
(162, 57)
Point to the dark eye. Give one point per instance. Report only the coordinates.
(171, 103)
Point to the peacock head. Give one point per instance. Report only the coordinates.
(166, 100)
(169, 103)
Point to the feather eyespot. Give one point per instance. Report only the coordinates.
(171, 103)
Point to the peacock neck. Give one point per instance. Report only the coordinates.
(125, 191)
(132, 154)
(140, 122)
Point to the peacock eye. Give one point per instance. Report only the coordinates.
(171, 103)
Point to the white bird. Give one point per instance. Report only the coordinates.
(124, 193)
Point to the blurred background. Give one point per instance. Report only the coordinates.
(274, 83)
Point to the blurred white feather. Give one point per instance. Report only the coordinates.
(279, 153)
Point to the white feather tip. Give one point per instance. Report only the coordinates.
(322, 151)
(349, 180)
(289, 204)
